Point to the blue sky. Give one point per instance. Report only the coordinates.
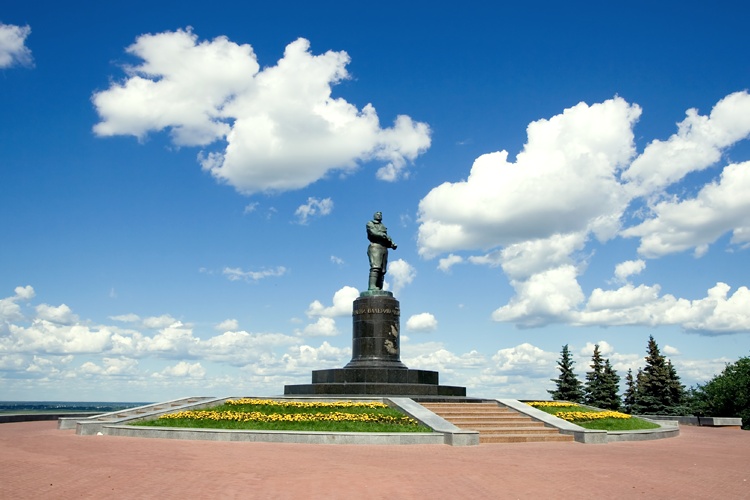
(185, 190)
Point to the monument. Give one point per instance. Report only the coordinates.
(376, 367)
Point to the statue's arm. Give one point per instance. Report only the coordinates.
(378, 234)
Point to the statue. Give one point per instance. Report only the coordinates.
(377, 252)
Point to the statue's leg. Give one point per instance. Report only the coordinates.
(373, 284)
(381, 277)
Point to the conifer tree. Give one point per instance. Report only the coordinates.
(567, 385)
(602, 383)
(659, 390)
(628, 399)
(611, 387)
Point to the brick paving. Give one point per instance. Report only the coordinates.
(39, 461)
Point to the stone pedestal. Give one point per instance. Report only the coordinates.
(375, 367)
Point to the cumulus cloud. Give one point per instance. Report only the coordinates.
(322, 327)
(9, 308)
(156, 322)
(720, 207)
(313, 208)
(228, 325)
(623, 270)
(564, 181)
(524, 359)
(13, 50)
(451, 260)
(697, 145)
(61, 314)
(434, 356)
(183, 369)
(301, 359)
(110, 367)
(605, 348)
(580, 179)
(402, 273)
(280, 127)
(422, 322)
(237, 274)
(671, 351)
(717, 313)
(343, 301)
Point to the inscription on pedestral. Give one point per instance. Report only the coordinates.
(377, 310)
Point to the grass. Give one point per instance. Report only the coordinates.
(247, 414)
(595, 419)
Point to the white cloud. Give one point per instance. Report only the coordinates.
(126, 318)
(605, 349)
(43, 336)
(624, 270)
(156, 322)
(422, 322)
(9, 308)
(323, 327)
(434, 356)
(282, 127)
(25, 292)
(574, 181)
(237, 274)
(110, 367)
(337, 260)
(717, 313)
(182, 369)
(564, 181)
(697, 145)
(343, 301)
(13, 48)
(228, 325)
(671, 351)
(61, 314)
(313, 208)
(546, 297)
(402, 273)
(451, 260)
(718, 208)
(524, 359)
(301, 359)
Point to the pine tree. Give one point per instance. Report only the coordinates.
(567, 385)
(602, 383)
(628, 398)
(611, 387)
(659, 390)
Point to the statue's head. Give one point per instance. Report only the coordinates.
(378, 216)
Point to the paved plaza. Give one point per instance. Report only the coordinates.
(39, 461)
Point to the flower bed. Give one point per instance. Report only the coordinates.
(590, 418)
(294, 415)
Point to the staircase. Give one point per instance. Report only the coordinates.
(496, 423)
(95, 423)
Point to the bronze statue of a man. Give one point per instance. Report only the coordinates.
(377, 252)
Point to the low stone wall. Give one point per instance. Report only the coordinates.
(701, 421)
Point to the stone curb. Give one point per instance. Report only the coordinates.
(444, 431)
(667, 429)
(35, 417)
(298, 437)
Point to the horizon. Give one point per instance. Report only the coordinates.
(186, 193)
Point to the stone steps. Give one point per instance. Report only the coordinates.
(94, 423)
(495, 423)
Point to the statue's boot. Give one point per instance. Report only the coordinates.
(373, 284)
(381, 277)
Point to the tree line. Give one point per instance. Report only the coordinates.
(656, 388)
